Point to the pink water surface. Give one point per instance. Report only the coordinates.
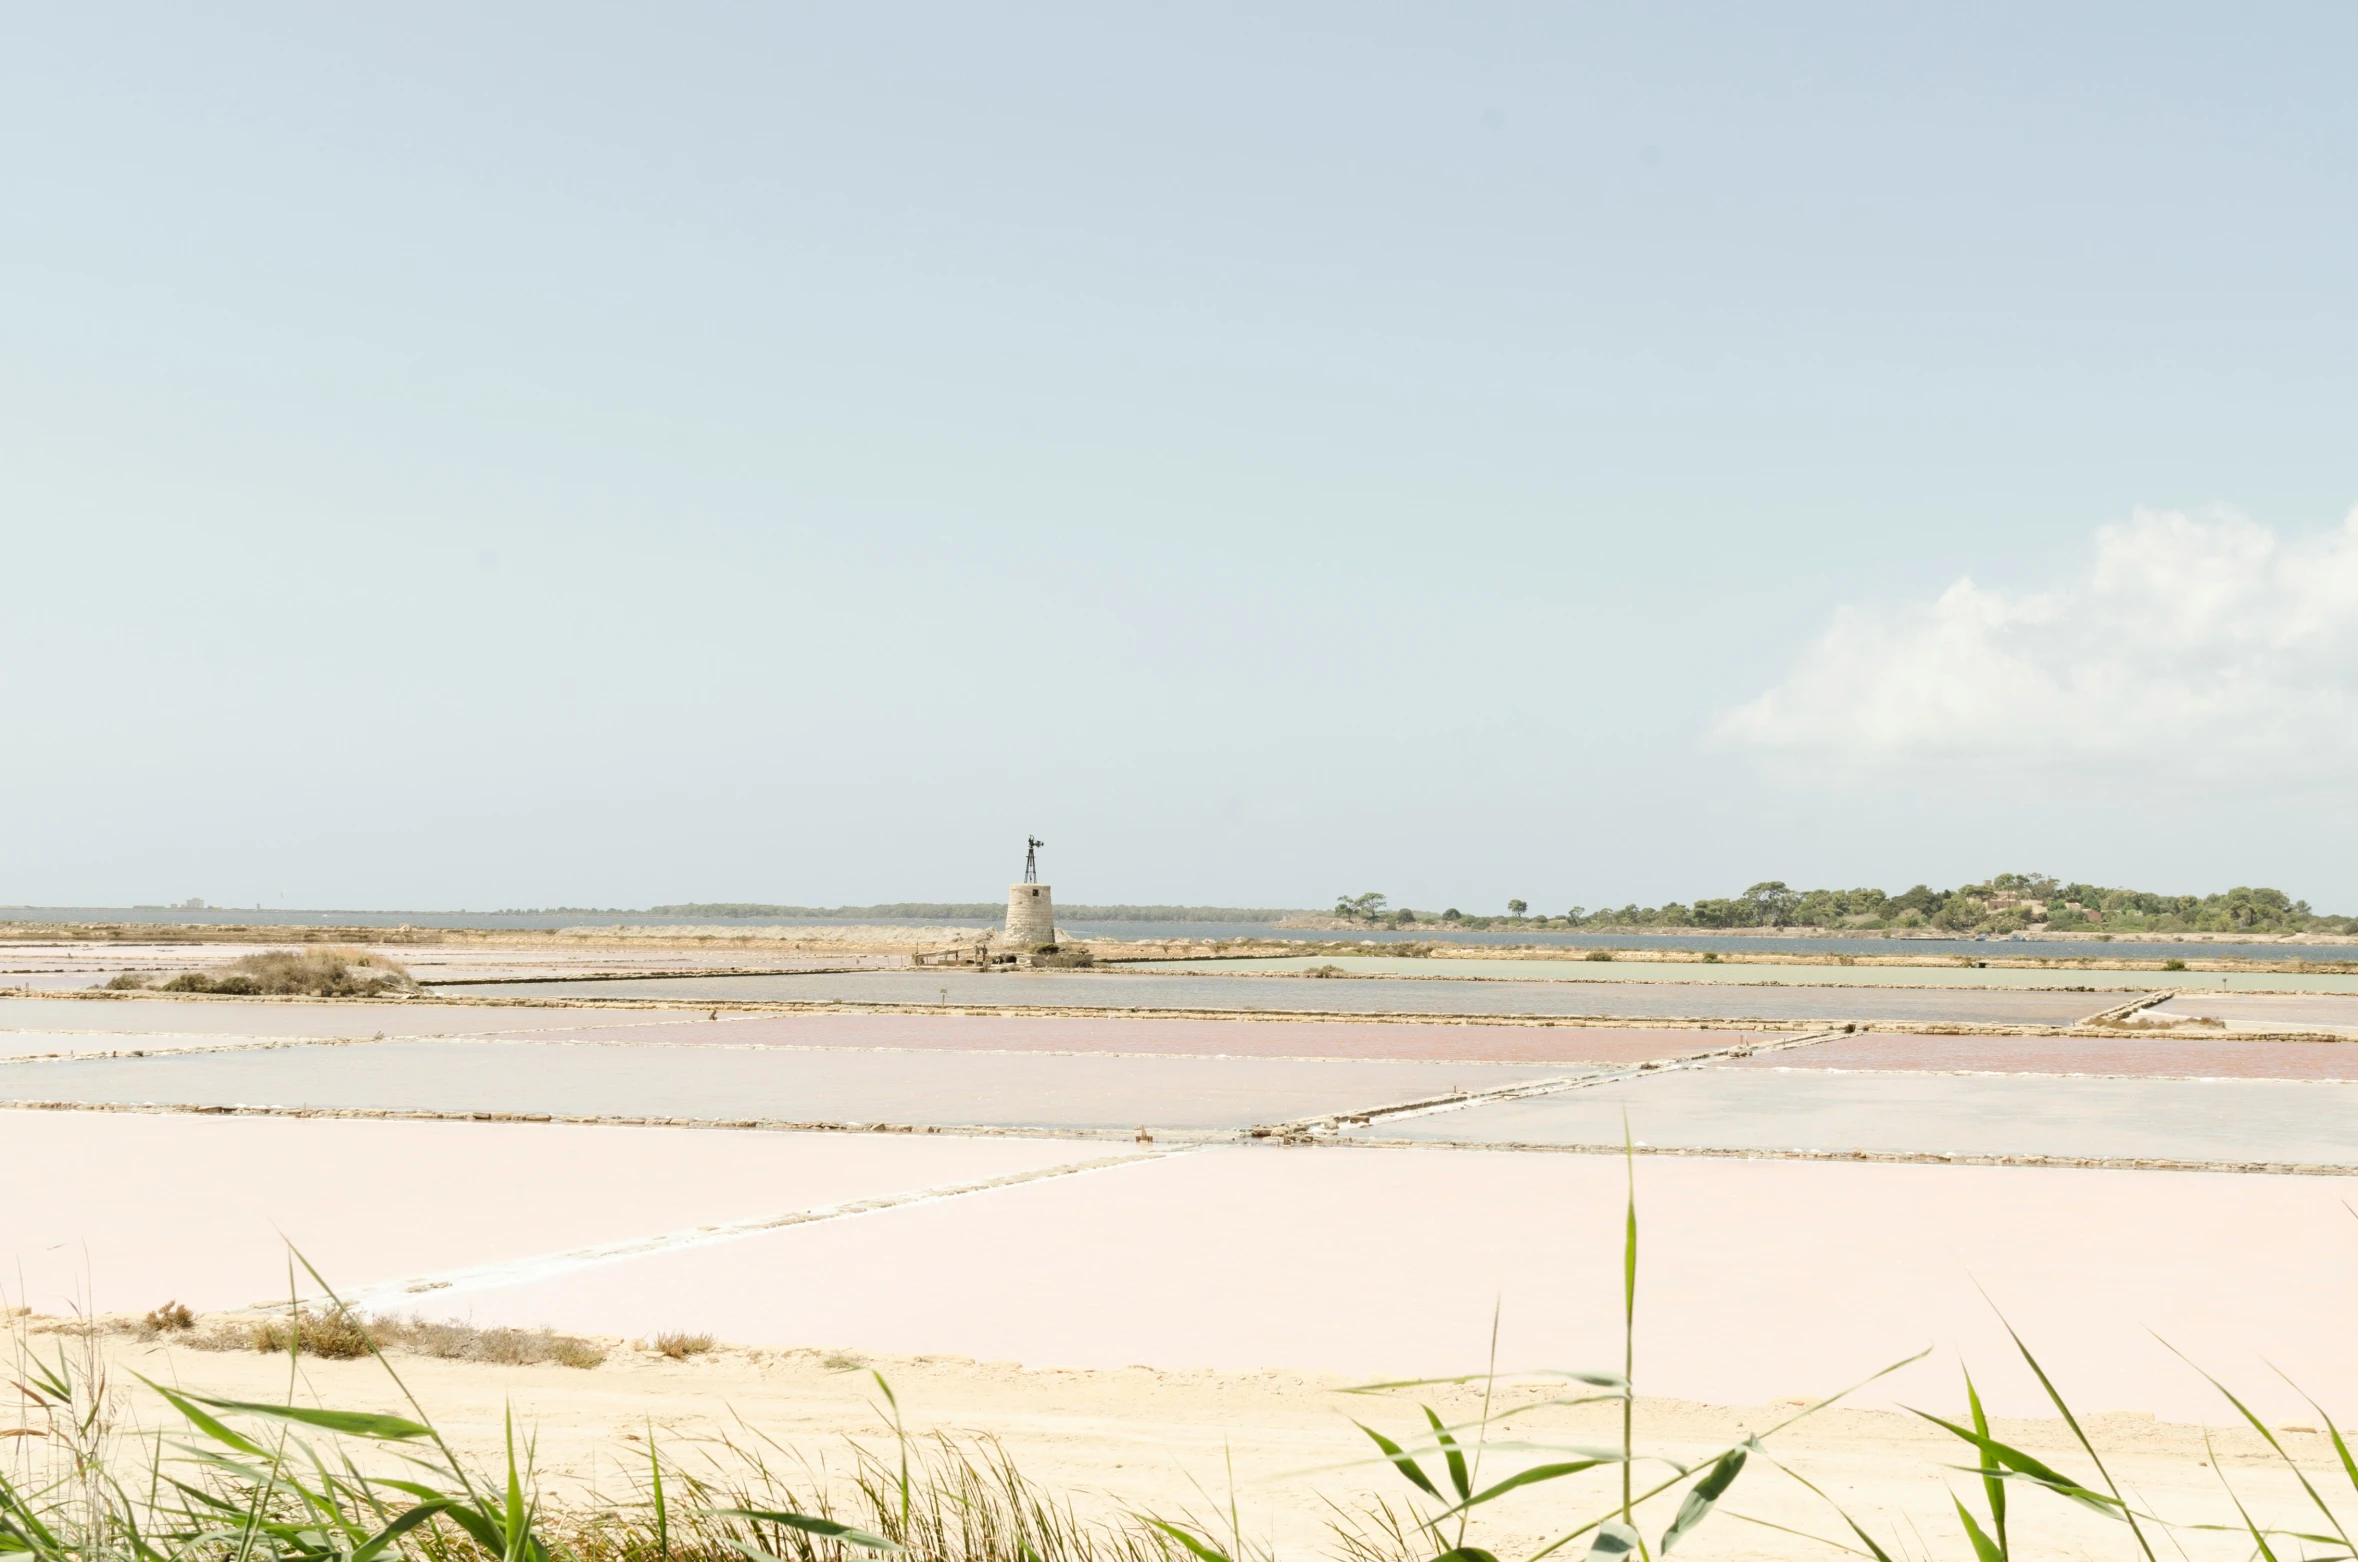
(1760, 1278)
(123, 1210)
(1201, 1038)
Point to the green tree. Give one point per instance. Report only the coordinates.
(1772, 903)
(1361, 908)
(1516, 908)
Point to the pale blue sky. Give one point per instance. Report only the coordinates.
(559, 454)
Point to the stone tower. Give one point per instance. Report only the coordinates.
(1031, 913)
(1031, 918)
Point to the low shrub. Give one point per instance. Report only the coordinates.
(451, 1340)
(171, 1318)
(679, 1346)
(275, 973)
(333, 1334)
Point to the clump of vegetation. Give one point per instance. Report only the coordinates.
(332, 1333)
(276, 973)
(2005, 903)
(1062, 956)
(2173, 1022)
(680, 1346)
(340, 1334)
(1328, 970)
(171, 1318)
(1598, 954)
(451, 1340)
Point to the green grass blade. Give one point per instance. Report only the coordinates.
(1629, 1274)
(374, 1546)
(2014, 1459)
(2267, 1553)
(2055, 1398)
(1203, 1550)
(662, 1510)
(1799, 1534)
(1874, 1546)
(479, 1527)
(1451, 1454)
(2341, 1449)
(1614, 1539)
(512, 1525)
(1401, 1461)
(205, 1422)
(1531, 1477)
(1993, 1489)
(826, 1529)
(1611, 1380)
(1703, 1496)
(352, 1423)
(1984, 1548)
(2316, 1498)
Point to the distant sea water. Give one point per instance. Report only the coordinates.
(1684, 939)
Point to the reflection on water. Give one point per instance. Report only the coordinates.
(2284, 1122)
(771, 1084)
(1247, 994)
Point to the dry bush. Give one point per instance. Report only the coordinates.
(310, 973)
(451, 1340)
(223, 1335)
(171, 1318)
(679, 1346)
(334, 1334)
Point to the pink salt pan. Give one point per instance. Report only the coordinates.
(121, 1211)
(1761, 1278)
(1197, 1038)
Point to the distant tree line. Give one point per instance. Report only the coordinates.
(2006, 903)
(968, 911)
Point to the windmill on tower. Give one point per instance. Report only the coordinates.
(1031, 913)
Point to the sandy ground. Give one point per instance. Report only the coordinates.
(1136, 1439)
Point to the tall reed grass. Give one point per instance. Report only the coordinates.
(246, 1481)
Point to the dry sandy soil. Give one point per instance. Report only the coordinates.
(1163, 1441)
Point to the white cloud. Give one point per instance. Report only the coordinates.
(2211, 644)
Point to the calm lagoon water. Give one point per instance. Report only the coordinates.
(727, 1084)
(1769, 1109)
(1260, 994)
